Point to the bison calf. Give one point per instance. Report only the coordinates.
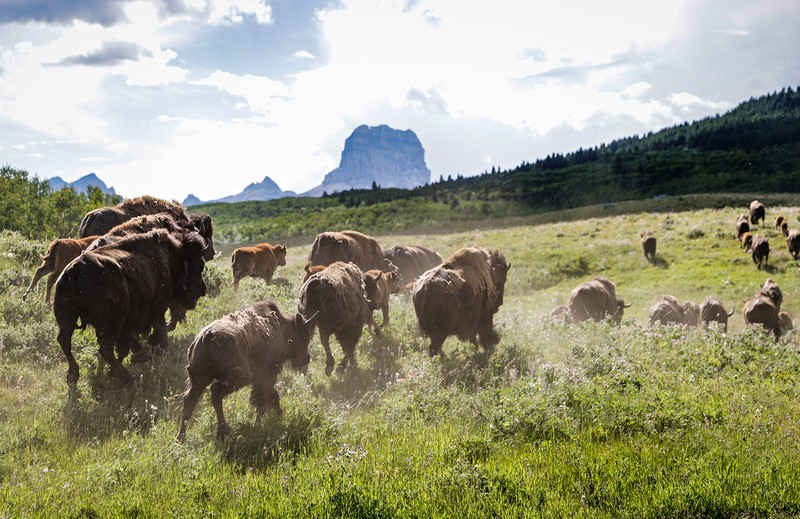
(259, 261)
(460, 297)
(379, 286)
(59, 254)
(338, 297)
(243, 348)
(649, 245)
(747, 241)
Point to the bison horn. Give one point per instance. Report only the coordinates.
(200, 226)
(628, 305)
(308, 321)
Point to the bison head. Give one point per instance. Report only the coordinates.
(280, 254)
(202, 223)
(499, 271)
(298, 336)
(190, 285)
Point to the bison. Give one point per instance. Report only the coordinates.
(668, 311)
(785, 228)
(412, 260)
(760, 250)
(310, 271)
(793, 243)
(779, 220)
(102, 220)
(378, 285)
(649, 245)
(596, 299)
(338, 297)
(785, 322)
(60, 252)
(124, 289)
(259, 261)
(742, 226)
(711, 309)
(167, 220)
(764, 307)
(348, 246)
(460, 297)
(771, 289)
(747, 241)
(757, 212)
(243, 348)
(561, 312)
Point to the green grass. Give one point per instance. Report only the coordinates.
(588, 421)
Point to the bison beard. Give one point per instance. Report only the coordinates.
(336, 295)
(460, 298)
(124, 290)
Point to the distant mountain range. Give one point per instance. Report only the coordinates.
(372, 154)
(82, 184)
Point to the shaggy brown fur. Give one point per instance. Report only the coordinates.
(166, 220)
(348, 246)
(596, 299)
(747, 241)
(669, 311)
(310, 271)
(760, 250)
(102, 220)
(259, 261)
(757, 212)
(793, 243)
(379, 286)
(742, 226)
(649, 245)
(460, 297)
(412, 260)
(59, 254)
(337, 296)
(711, 309)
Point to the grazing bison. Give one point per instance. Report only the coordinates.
(348, 246)
(259, 261)
(760, 250)
(378, 286)
(200, 223)
(461, 296)
(102, 220)
(711, 309)
(747, 241)
(124, 289)
(59, 254)
(757, 212)
(337, 296)
(412, 260)
(596, 299)
(793, 243)
(242, 348)
(668, 311)
(649, 245)
(742, 226)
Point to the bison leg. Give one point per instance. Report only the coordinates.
(107, 352)
(264, 395)
(177, 314)
(65, 341)
(159, 336)
(325, 339)
(385, 310)
(436, 345)
(190, 399)
(43, 269)
(219, 390)
(372, 326)
(487, 337)
(348, 342)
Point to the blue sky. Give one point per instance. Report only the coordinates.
(171, 97)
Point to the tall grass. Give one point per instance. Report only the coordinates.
(560, 420)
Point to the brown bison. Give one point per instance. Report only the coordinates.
(124, 289)
(764, 308)
(757, 212)
(649, 245)
(460, 297)
(742, 226)
(561, 312)
(243, 348)
(596, 299)
(412, 260)
(747, 241)
(310, 271)
(785, 322)
(779, 220)
(378, 286)
(259, 261)
(711, 309)
(785, 228)
(102, 220)
(793, 243)
(200, 223)
(348, 246)
(760, 250)
(337, 296)
(59, 254)
(669, 311)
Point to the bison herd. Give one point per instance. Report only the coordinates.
(135, 261)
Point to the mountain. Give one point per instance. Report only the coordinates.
(379, 154)
(267, 189)
(82, 184)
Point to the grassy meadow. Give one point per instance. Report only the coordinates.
(560, 420)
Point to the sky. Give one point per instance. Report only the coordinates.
(172, 97)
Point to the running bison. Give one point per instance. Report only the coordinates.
(747, 241)
(669, 311)
(378, 286)
(757, 212)
(412, 260)
(243, 348)
(649, 245)
(760, 250)
(124, 289)
(460, 297)
(712, 310)
(764, 308)
(59, 254)
(259, 261)
(200, 223)
(596, 299)
(793, 243)
(337, 296)
(102, 220)
(742, 226)
(348, 246)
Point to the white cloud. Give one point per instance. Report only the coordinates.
(222, 12)
(302, 54)
(685, 100)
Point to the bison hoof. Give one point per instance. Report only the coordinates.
(72, 377)
(329, 368)
(140, 357)
(222, 432)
